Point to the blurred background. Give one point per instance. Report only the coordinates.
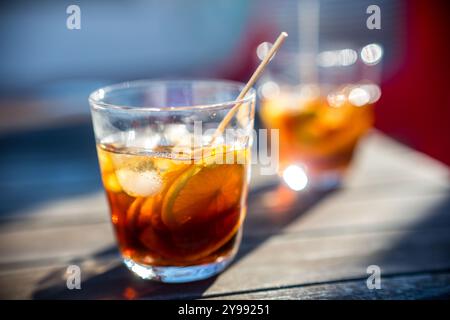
(47, 71)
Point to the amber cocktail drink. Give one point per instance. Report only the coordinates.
(171, 209)
(319, 131)
(177, 197)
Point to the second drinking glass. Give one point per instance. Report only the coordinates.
(320, 118)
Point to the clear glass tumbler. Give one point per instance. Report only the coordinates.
(320, 117)
(177, 196)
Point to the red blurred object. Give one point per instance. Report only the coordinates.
(241, 63)
(415, 105)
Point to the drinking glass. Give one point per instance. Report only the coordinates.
(177, 196)
(321, 114)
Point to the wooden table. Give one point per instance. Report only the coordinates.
(393, 211)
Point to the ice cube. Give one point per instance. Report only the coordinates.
(137, 183)
(177, 134)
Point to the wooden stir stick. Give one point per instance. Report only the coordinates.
(224, 123)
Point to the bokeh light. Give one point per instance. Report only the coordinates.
(335, 58)
(359, 97)
(263, 49)
(372, 54)
(269, 89)
(295, 177)
(336, 99)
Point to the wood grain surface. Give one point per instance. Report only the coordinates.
(393, 210)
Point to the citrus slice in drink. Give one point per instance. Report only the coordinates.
(196, 212)
(133, 212)
(186, 246)
(150, 212)
(201, 193)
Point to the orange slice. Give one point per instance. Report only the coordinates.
(200, 212)
(111, 183)
(189, 246)
(150, 212)
(201, 193)
(133, 212)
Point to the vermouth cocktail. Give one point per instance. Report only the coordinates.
(177, 198)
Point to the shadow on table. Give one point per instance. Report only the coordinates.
(114, 282)
(424, 250)
(106, 281)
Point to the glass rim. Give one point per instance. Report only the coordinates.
(97, 96)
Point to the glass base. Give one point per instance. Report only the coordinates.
(178, 274)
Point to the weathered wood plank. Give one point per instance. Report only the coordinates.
(389, 213)
(339, 214)
(403, 287)
(393, 207)
(380, 160)
(92, 208)
(75, 210)
(282, 260)
(56, 243)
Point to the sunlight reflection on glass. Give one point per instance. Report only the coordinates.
(336, 99)
(371, 54)
(262, 50)
(373, 90)
(295, 177)
(345, 57)
(269, 89)
(359, 97)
